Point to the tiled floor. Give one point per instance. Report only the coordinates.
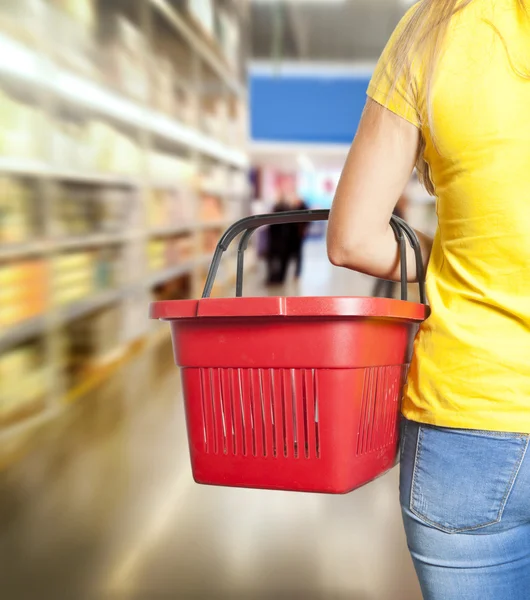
(104, 507)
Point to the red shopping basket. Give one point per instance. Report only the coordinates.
(299, 394)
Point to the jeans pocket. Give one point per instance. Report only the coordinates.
(461, 479)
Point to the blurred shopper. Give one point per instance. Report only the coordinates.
(259, 207)
(452, 93)
(386, 288)
(278, 252)
(285, 243)
(297, 236)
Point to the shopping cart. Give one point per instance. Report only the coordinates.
(299, 394)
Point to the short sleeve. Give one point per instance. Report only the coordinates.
(397, 94)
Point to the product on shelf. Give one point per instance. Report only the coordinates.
(106, 268)
(83, 209)
(170, 73)
(215, 179)
(202, 12)
(16, 206)
(74, 276)
(73, 211)
(116, 209)
(211, 208)
(229, 37)
(169, 208)
(23, 291)
(187, 108)
(24, 381)
(156, 254)
(92, 340)
(215, 118)
(78, 275)
(173, 289)
(167, 168)
(81, 11)
(114, 152)
(19, 19)
(73, 40)
(70, 146)
(210, 237)
(163, 86)
(124, 53)
(179, 250)
(238, 120)
(168, 252)
(93, 145)
(19, 126)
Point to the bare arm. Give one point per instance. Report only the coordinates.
(377, 171)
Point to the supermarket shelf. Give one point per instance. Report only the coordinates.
(23, 63)
(55, 91)
(219, 224)
(35, 326)
(90, 241)
(223, 192)
(172, 273)
(24, 331)
(95, 178)
(85, 306)
(209, 56)
(168, 231)
(34, 168)
(13, 251)
(27, 167)
(10, 251)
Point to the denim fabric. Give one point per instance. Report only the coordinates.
(465, 498)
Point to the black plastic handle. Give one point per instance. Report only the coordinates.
(249, 225)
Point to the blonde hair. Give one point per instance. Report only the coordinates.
(423, 35)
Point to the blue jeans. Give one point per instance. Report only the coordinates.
(465, 498)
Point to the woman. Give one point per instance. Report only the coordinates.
(452, 94)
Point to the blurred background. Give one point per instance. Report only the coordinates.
(132, 133)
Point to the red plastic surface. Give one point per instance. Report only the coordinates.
(297, 394)
(326, 306)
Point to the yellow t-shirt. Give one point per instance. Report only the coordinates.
(471, 364)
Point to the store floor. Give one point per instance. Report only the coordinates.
(104, 507)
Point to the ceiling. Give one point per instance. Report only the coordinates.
(325, 30)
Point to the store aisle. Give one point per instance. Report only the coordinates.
(105, 508)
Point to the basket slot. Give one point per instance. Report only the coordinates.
(317, 414)
(227, 402)
(299, 414)
(219, 416)
(210, 442)
(379, 408)
(393, 391)
(237, 413)
(258, 412)
(310, 414)
(288, 416)
(277, 411)
(269, 434)
(245, 396)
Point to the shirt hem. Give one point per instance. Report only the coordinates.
(476, 422)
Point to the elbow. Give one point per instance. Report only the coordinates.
(337, 256)
(342, 255)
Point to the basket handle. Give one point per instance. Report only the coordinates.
(249, 225)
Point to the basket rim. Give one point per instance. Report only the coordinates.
(289, 307)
